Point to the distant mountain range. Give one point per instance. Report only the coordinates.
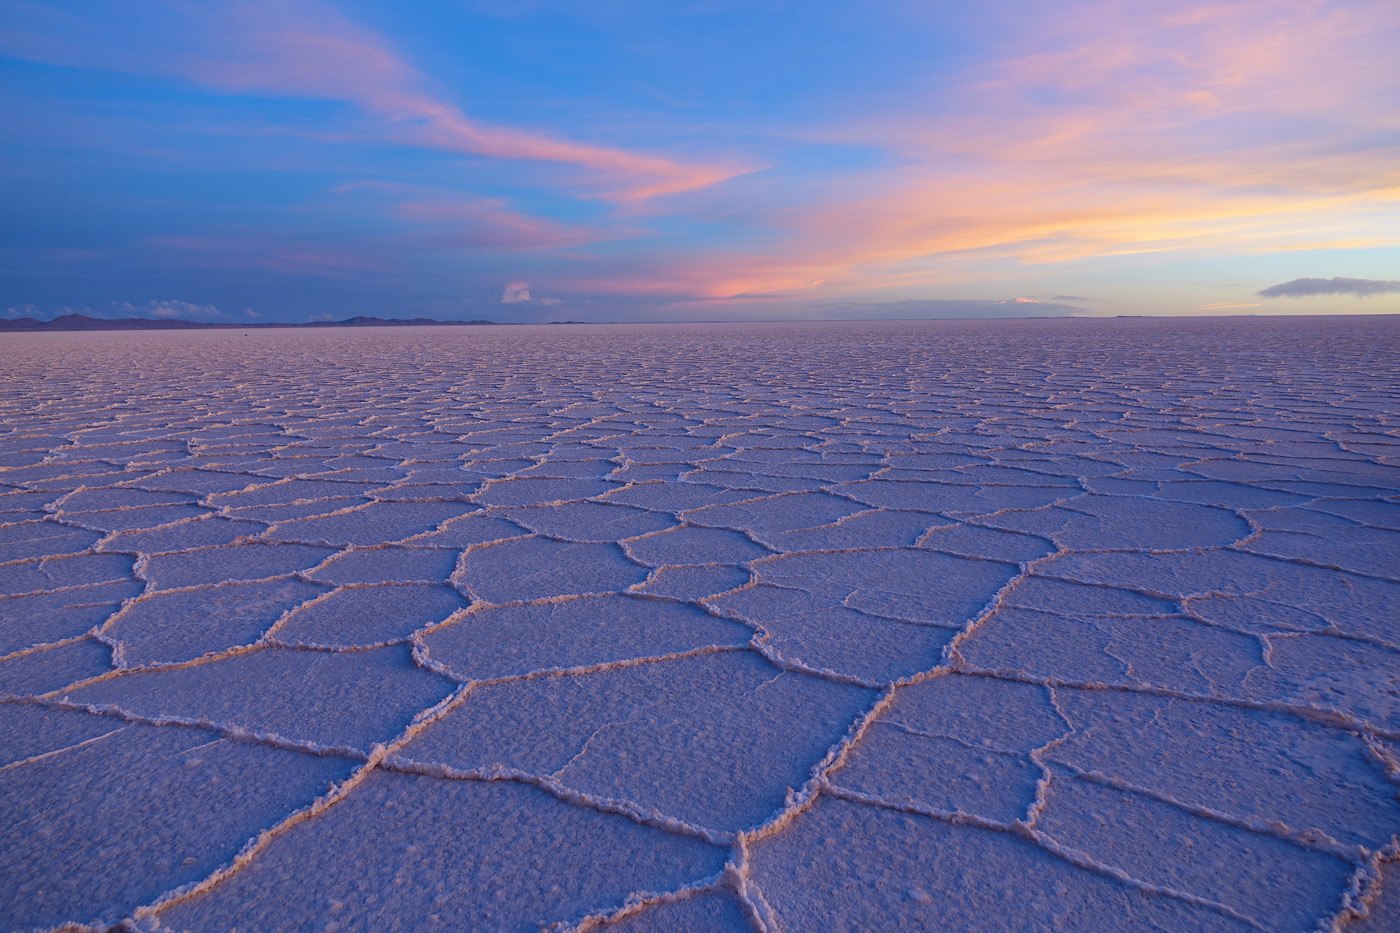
(86, 322)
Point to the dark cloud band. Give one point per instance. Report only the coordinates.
(1301, 288)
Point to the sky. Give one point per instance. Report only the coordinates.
(709, 160)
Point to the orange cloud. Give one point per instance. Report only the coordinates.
(1107, 130)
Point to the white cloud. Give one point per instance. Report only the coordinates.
(172, 309)
(516, 293)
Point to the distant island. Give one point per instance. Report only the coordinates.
(87, 322)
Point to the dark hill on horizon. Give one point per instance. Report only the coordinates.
(70, 322)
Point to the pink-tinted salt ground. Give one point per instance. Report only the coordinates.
(1079, 624)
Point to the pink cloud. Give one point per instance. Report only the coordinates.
(1105, 130)
(487, 223)
(304, 49)
(301, 50)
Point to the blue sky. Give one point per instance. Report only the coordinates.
(714, 160)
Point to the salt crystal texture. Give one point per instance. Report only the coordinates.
(1036, 624)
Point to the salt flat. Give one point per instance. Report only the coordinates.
(1076, 624)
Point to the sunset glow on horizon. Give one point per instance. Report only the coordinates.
(699, 161)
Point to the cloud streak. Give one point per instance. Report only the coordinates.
(950, 308)
(310, 51)
(487, 224)
(1304, 288)
(279, 255)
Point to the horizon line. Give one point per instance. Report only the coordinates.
(82, 323)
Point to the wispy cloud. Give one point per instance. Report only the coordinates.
(277, 254)
(1303, 288)
(1227, 306)
(316, 53)
(1104, 131)
(310, 51)
(487, 223)
(948, 308)
(1099, 132)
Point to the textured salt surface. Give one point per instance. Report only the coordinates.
(1078, 624)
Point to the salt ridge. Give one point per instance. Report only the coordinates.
(990, 487)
